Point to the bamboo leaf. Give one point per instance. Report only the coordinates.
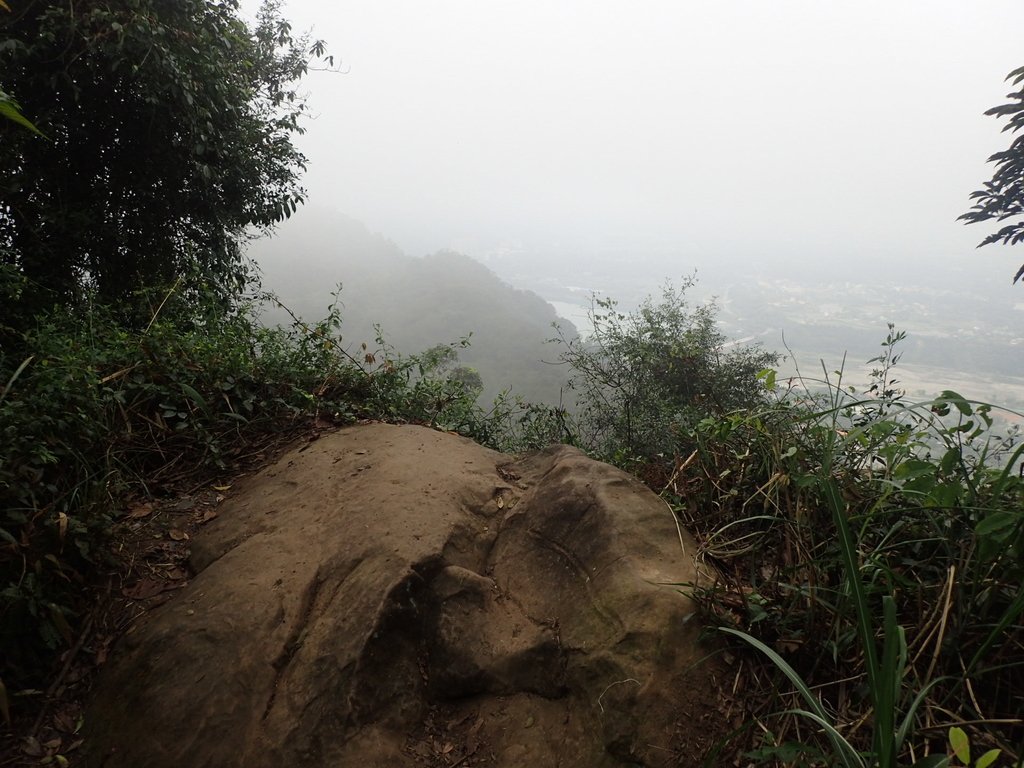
(9, 109)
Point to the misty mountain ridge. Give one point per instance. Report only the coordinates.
(958, 337)
(418, 302)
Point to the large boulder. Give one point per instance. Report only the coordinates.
(392, 595)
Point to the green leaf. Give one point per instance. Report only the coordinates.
(191, 393)
(957, 400)
(889, 680)
(911, 469)
(767, 375)
(908, 718)
(960, 745)
(997, 521)
(987, 759)
(9, 109)
(847, 753)
(949, 460)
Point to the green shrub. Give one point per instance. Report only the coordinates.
(643, 379)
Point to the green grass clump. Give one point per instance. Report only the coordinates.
(874, 550)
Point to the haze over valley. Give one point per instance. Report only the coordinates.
(508, 300)
(807, 161)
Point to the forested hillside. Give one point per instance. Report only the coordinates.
(417, 302)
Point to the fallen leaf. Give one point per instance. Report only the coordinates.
(177, 535)
(64, 722)
(453, 724)
(473, 737)
(221, 487)
(141, 510)
(143, 588)
(501, 503)
(186, 504)
(31, 747)
(208, 515)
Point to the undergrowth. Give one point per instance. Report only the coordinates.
(867, 552)
(873, 547)
(93, 411)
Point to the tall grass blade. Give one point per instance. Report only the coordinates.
(908, 719)
(848, 550)
(890, 674)
(1010, 615)
(14, 376)
(840, 745)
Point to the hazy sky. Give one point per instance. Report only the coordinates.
(782, 134)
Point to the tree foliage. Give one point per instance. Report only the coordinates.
(644, 379)
(170, 127)
(1002, 197)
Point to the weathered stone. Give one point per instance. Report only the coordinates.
(398, 596)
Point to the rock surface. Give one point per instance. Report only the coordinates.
(391, 595)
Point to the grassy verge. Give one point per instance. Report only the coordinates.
(872, 550)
